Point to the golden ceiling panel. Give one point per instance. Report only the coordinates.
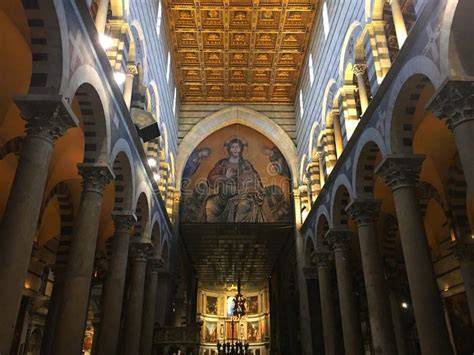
(240, 50)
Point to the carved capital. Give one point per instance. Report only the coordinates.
(339, 239)
(141, 250)
(132, 69)
(359, 69)
(464, 251)
(46, 116)
(310, 272)
(400, 171)
(323, 259)
(364, 210)
(455, 102)
(95, 177)
(124, 222)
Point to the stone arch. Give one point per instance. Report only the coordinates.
(138, 50)
(155, 100)
(246, 117)
(312, 144)
(47, 53)
(142, 211)
(370, 146)
(12, 146)
(86, 86)
(457, 52)
(322, 227)
(303, 167)
(351, 51)
(404, 112)
(124, 183)
(340, 198)
(414, 77)
(66, 215)
(328, 98)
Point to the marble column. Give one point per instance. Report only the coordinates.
(140, 252)
(305, 320)
(454, 102)
(401, 175)
(74, 302)
(340, 239)
(399, 22)
(359, 71)
(364, 212)
(132, 70)
(398, 327)
(149, 306)
(101, 15)
(464, 252)
(47, 118)
(162, 297)
(327, 303)
(53, 310)
(109, 328)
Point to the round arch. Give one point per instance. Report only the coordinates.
(349, 48)
(244, 116)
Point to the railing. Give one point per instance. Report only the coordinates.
(177, 340)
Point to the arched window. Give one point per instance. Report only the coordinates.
(311, 69)
(168, 67)
(326, 19)
(301, 104)
(158, 19)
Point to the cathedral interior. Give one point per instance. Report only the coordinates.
(255, 177)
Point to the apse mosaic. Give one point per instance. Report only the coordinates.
(236, 175)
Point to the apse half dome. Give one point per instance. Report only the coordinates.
(236, 175)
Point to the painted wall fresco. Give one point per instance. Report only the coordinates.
(236, 175)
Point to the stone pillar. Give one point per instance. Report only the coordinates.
(364, 212)
(455, 102)
(53, 310)
(314, 180)
(399, 22)
(327, 304)
(140, 252)
(401, 175)
(74, 302)
(162, 297)
(340, 239)
(149, 306)
(395, 305)
(128, 86)
(109, 328)
(305, 320)
(47, 118)
(359, 71)
(464, 252)
(101, 16)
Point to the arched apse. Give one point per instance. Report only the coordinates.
(236, 175)
(243, 116)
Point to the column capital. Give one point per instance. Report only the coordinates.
(454, 101)
(400, 170)
(124, 222)
(359, 69)
(156, 264)
(464, 251)
(95, 177)
(46, 116)
(364, 210)
(141, 250)
(339, 238)
(132, 69)
(310, 272)
(323, 258)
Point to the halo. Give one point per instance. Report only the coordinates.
(231, 138)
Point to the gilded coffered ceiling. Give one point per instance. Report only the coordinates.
(239, 50)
